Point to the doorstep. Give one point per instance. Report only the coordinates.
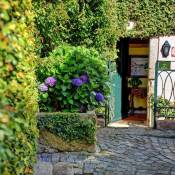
(127, 124)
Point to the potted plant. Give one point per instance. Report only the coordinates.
(134, 83)
(165, 114)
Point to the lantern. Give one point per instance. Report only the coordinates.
(165, 49)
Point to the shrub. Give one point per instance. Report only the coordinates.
(90, 23)
(18, 94)
(81, 80)
(165, 108)
(69, 126)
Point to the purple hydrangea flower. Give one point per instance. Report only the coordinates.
(77, 82)
(50, 81)
(84, 78)
(99, 97)
(43, 87)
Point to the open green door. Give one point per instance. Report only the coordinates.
(115, 93)
(118, 103)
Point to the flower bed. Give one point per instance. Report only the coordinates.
(166, 113)
(68, 131)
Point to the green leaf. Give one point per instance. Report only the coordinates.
(70, 101)
(45, 95)
(64, 88)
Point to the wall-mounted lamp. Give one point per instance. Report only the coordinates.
(131, 25)
(165, 49)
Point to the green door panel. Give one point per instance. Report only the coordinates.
(115, 93)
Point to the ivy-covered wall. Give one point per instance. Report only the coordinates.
(72, 126)
(18, 95)
(100, 23)
(152, 18)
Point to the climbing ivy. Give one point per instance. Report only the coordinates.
(69, 126)
(18, 95)
(152, 18)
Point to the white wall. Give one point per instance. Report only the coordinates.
(154, 55)
(165, 81)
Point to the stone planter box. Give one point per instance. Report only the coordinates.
(163, 123)
(54, 141)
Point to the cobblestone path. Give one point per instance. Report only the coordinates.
(133, 151)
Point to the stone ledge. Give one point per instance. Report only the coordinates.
(62, 145)
(43, 168)
(165, 124)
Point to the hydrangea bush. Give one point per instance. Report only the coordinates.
(73, 79)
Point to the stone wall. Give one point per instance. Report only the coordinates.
(65, 164)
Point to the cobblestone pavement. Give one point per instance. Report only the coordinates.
(132, 151)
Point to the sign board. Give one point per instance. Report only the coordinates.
(139, 67)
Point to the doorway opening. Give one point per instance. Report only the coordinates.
(133, 69)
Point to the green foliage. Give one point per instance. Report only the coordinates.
(69, 126)
(101, 23)
(165, 108)
(77, 22)
(164, 65)
(18, 95)
(152, 17)
(135, 82)
(65, 64)
(161, 102)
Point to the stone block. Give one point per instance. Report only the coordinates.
(45, 157)
(165, 124)
(43, 168)
(56, 157)
(63, 169)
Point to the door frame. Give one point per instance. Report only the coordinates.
(123, 46)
